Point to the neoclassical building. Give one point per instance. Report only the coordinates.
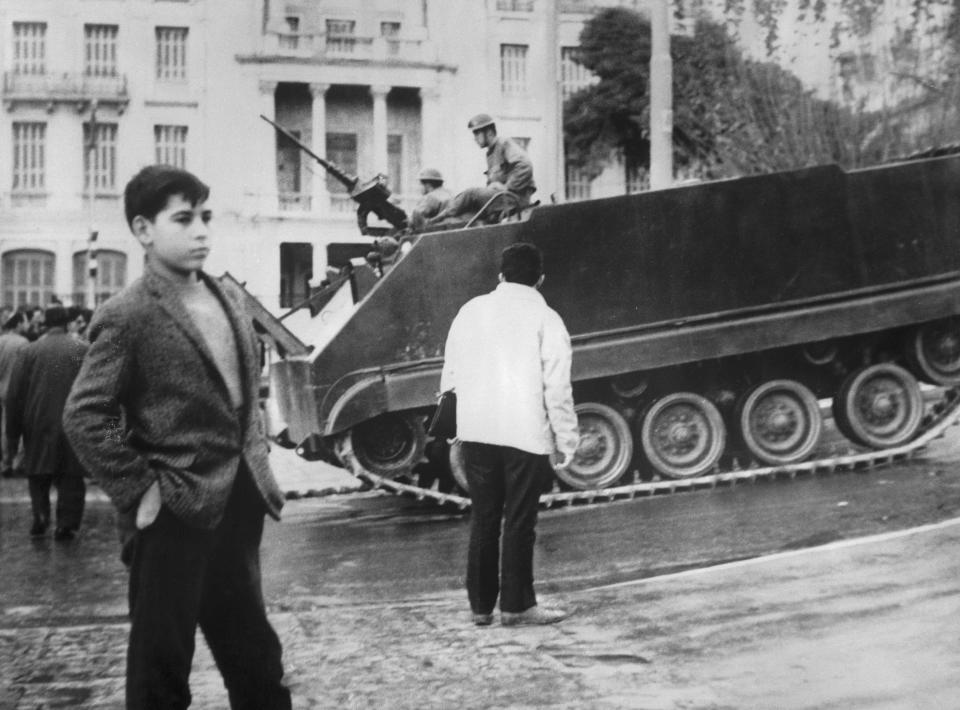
(95, 89)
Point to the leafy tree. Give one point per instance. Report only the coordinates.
(734, 115)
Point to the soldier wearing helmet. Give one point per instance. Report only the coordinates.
(435, 198)
(508, 170)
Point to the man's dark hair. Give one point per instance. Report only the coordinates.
(521, 263)
(148, 191)
(14, 320)
(55, 316)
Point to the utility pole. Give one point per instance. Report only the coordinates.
(556, 94)
(661, 97)
(91, 298)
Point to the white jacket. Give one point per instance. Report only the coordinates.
(508, 358)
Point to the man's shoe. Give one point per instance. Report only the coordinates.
(64, 534)
(482, 619)
(38, 528)
(535, 615)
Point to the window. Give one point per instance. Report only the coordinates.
(296, 270)
(342, 152)
(27, 278)
(100, 50)
(513, 69)
(340, 36)
(29, 156)
(390, 31)
(395, 162)
(577, 185)
(111, 276)
(100, 158)
(29, 47)
(172, 53)
(637, 178)
(291, 38)
(573, 76)
(289, 169)
(170, 143)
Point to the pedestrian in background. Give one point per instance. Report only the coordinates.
(39, 384)
(35, 323)
(79, 318)
(507, 357)
(12, 341)
(164, 415)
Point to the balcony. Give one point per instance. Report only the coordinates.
(325, 46)
(67, 87)
(515, 5)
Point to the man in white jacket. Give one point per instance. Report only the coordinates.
(508, 358)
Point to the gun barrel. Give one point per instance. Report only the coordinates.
(347, 181)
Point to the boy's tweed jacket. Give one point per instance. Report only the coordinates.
(149, 404)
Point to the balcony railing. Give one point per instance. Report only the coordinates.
(327, 46)
(515, 5)
(64, 87)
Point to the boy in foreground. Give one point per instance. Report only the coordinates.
(164, 416)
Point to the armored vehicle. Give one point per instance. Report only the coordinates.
(710, 325)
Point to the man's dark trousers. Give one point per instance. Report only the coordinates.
(181, 577)
(71, 498)
(505, 486)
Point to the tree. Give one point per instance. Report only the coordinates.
(734, 115)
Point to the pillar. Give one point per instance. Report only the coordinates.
(380, 162)
(268, 187)
(319, 198)
(432, 151)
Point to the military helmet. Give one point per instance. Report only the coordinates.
(431, 174)
(480, 121)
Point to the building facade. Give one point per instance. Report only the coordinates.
(93, 90)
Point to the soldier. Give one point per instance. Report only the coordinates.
(508, 170)
(435, 198)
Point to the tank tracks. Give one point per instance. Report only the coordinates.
(940, 416)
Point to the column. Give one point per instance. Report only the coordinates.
(319, 198)
(268, 186)
(433, 151)
(380, 162)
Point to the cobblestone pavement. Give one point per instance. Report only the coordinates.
(869, 624)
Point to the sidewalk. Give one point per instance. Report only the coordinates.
(297, 477)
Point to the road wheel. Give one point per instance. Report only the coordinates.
(683, 435)
(879, 406)
(933, 352)
(780, 422)
(605, 449)
(389, 445)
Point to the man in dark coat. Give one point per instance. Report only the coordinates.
(39, 385)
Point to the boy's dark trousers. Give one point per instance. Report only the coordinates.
(505, 486)
(181, 577)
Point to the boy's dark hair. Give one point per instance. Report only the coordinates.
(148, 191)
(521, 263)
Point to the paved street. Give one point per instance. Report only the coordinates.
(365, 592)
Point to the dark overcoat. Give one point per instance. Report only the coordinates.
(151, 405)
(39, 384)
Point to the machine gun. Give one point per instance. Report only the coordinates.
(370, 196)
